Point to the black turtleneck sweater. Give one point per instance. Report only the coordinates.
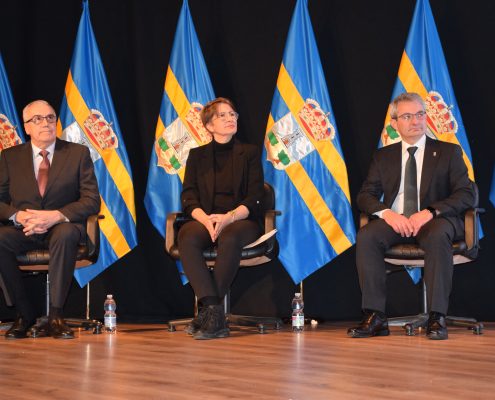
(224, 187)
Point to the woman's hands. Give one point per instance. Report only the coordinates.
(215, 223)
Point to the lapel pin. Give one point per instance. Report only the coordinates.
(434, 154)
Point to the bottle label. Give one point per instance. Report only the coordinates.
(110, 321)
(298, 321)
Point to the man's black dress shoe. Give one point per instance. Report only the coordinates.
(371, 325)
(19, 329)
(437, 327)
(58, 329)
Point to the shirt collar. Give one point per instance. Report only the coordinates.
(36, 149)
(420, 144)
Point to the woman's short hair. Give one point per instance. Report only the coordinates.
(210, 108)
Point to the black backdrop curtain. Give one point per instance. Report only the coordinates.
(360, 44)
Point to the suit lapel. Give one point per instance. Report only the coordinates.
(430, 160)
(395, 173)
(58, 161)
(27, 161)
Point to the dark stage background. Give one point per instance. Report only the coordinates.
(360, 44)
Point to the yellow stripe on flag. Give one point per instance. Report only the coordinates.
(181, 105)
(160, 128)
(410, 78)
(112, 232)
(318, 208)
(176, 94)
(110, 157)
(270, 123)
(412, 83)
(327, 151)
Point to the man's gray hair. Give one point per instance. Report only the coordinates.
(25, 109)
(408, 96)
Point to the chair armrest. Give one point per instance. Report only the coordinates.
(170, 229)
(471, 228)
(93, 236)
(363, 219)
(270, 219)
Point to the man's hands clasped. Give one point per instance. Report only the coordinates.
(405, 226)
(38, 221)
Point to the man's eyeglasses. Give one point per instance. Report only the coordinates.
(230, 114)
(37, 119)
(420, 115)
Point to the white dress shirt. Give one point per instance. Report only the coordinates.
(398, 204)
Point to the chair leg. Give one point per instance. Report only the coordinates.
(173, 323)
(412, 322)
(262, 323)
(469, 323)
(86, 323)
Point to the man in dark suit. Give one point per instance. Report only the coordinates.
(431, 216)
(47, 190)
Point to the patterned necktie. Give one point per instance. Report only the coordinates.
(411, 184)
(43, 172)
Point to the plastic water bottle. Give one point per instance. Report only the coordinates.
(110, 316)
(297, 313)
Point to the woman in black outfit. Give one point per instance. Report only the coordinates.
(222, 192)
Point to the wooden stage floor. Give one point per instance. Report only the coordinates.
(148, 362)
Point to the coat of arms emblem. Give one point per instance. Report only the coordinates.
(8, 133)
(100, 131)
(291, 137)
(173, 145)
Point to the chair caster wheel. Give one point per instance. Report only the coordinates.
(409, 330)
(261, 328)
(97, 329)
(478, 329)
(171, 328)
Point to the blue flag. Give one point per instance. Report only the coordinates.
(11, 132)
(423, 70)
(492, 190)
(87, 116)
(304, 160)
(179, 127)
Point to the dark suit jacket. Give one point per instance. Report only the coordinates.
(445, 184)
(72, 187)
(198, 186)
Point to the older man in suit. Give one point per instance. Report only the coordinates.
(431, 216)
(47, 190)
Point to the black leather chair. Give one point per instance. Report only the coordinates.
(465, 250)
(36, 262)
(257, 255)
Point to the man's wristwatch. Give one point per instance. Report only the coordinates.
(433, 211)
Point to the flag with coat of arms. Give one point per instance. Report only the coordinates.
(11, 132)
(87, 116)
(304, 160)
(423, 70)
(179, 127)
